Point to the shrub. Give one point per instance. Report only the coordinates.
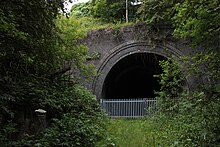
(196, 117)
(82, 125)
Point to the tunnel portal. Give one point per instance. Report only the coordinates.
(133, 77)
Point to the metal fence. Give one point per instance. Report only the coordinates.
(128, 108)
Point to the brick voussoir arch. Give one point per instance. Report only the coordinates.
(126, 49)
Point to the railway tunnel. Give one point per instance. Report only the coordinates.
(125, 84)
(133, 77)
(126, 65)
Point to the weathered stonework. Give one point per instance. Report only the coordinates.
(114, 45)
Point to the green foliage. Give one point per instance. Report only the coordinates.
(81, 123)
(27, 41)
(80, 10)
(195, 20)
(70, 32)
(198, 119)
(157, 12)
(204, 102)
(160, 131)
(5, 134)
(198, 20)
(205, 67)
(112, 11)
(33, 52)
(90, 24)
(125, 132)
(198, 109)
(171, 81)
(27, 51)
(24, 38)
(103, 14)
(193, 119)
(41, 60)
(106, 11)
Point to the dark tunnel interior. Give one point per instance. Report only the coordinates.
(133, 77)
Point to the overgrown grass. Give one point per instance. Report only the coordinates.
(125, 133)
(148, 132)
(161, 132)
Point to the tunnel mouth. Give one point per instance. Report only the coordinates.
(133, 77)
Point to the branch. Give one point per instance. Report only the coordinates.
(60, 72)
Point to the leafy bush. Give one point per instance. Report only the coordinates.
(74, 119)
(195, 121)
(82, 125)
(171, 81)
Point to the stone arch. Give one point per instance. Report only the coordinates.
(126, 49)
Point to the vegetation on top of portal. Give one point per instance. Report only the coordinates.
(196, 20)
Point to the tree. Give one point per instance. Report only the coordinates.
(157, 12)
(80, 10)
(27, 44)
(112, 10)
(195, 20)
(199, 21)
